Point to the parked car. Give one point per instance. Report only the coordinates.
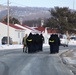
(63, 40)
(73, 38)
(5, 40)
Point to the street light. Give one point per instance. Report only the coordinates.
(8, 21)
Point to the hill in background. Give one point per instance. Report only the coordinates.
(25, 13)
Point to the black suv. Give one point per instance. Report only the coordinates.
(5, 40)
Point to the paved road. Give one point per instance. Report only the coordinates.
(14, 62)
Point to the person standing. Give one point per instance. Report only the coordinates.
(52, 43)
(24, 43)
(41, 42)
(29, 41)
(57, 44)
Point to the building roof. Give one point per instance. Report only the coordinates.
(27, 27)
(52, 30)
(37, 29)
(42, 29)
(13, 26)
(32, 29)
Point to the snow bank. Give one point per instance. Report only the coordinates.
(69, 60)
(3, 47)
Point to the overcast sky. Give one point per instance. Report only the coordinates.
(42, 3)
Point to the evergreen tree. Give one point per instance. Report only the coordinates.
(62, 18)
(12, 20)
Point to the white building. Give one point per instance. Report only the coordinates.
(28, 29)
(16, 32)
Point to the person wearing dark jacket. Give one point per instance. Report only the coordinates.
(52, 43)
(37, 42)
(57, 43)
(41, 42)
(29, 43)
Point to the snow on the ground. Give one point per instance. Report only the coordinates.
(74, 54)
(20, 46)
(69, 60)
(72, 42)
(3, 47)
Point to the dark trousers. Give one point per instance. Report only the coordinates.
(52, 49)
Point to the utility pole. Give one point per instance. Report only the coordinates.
(8, 21)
